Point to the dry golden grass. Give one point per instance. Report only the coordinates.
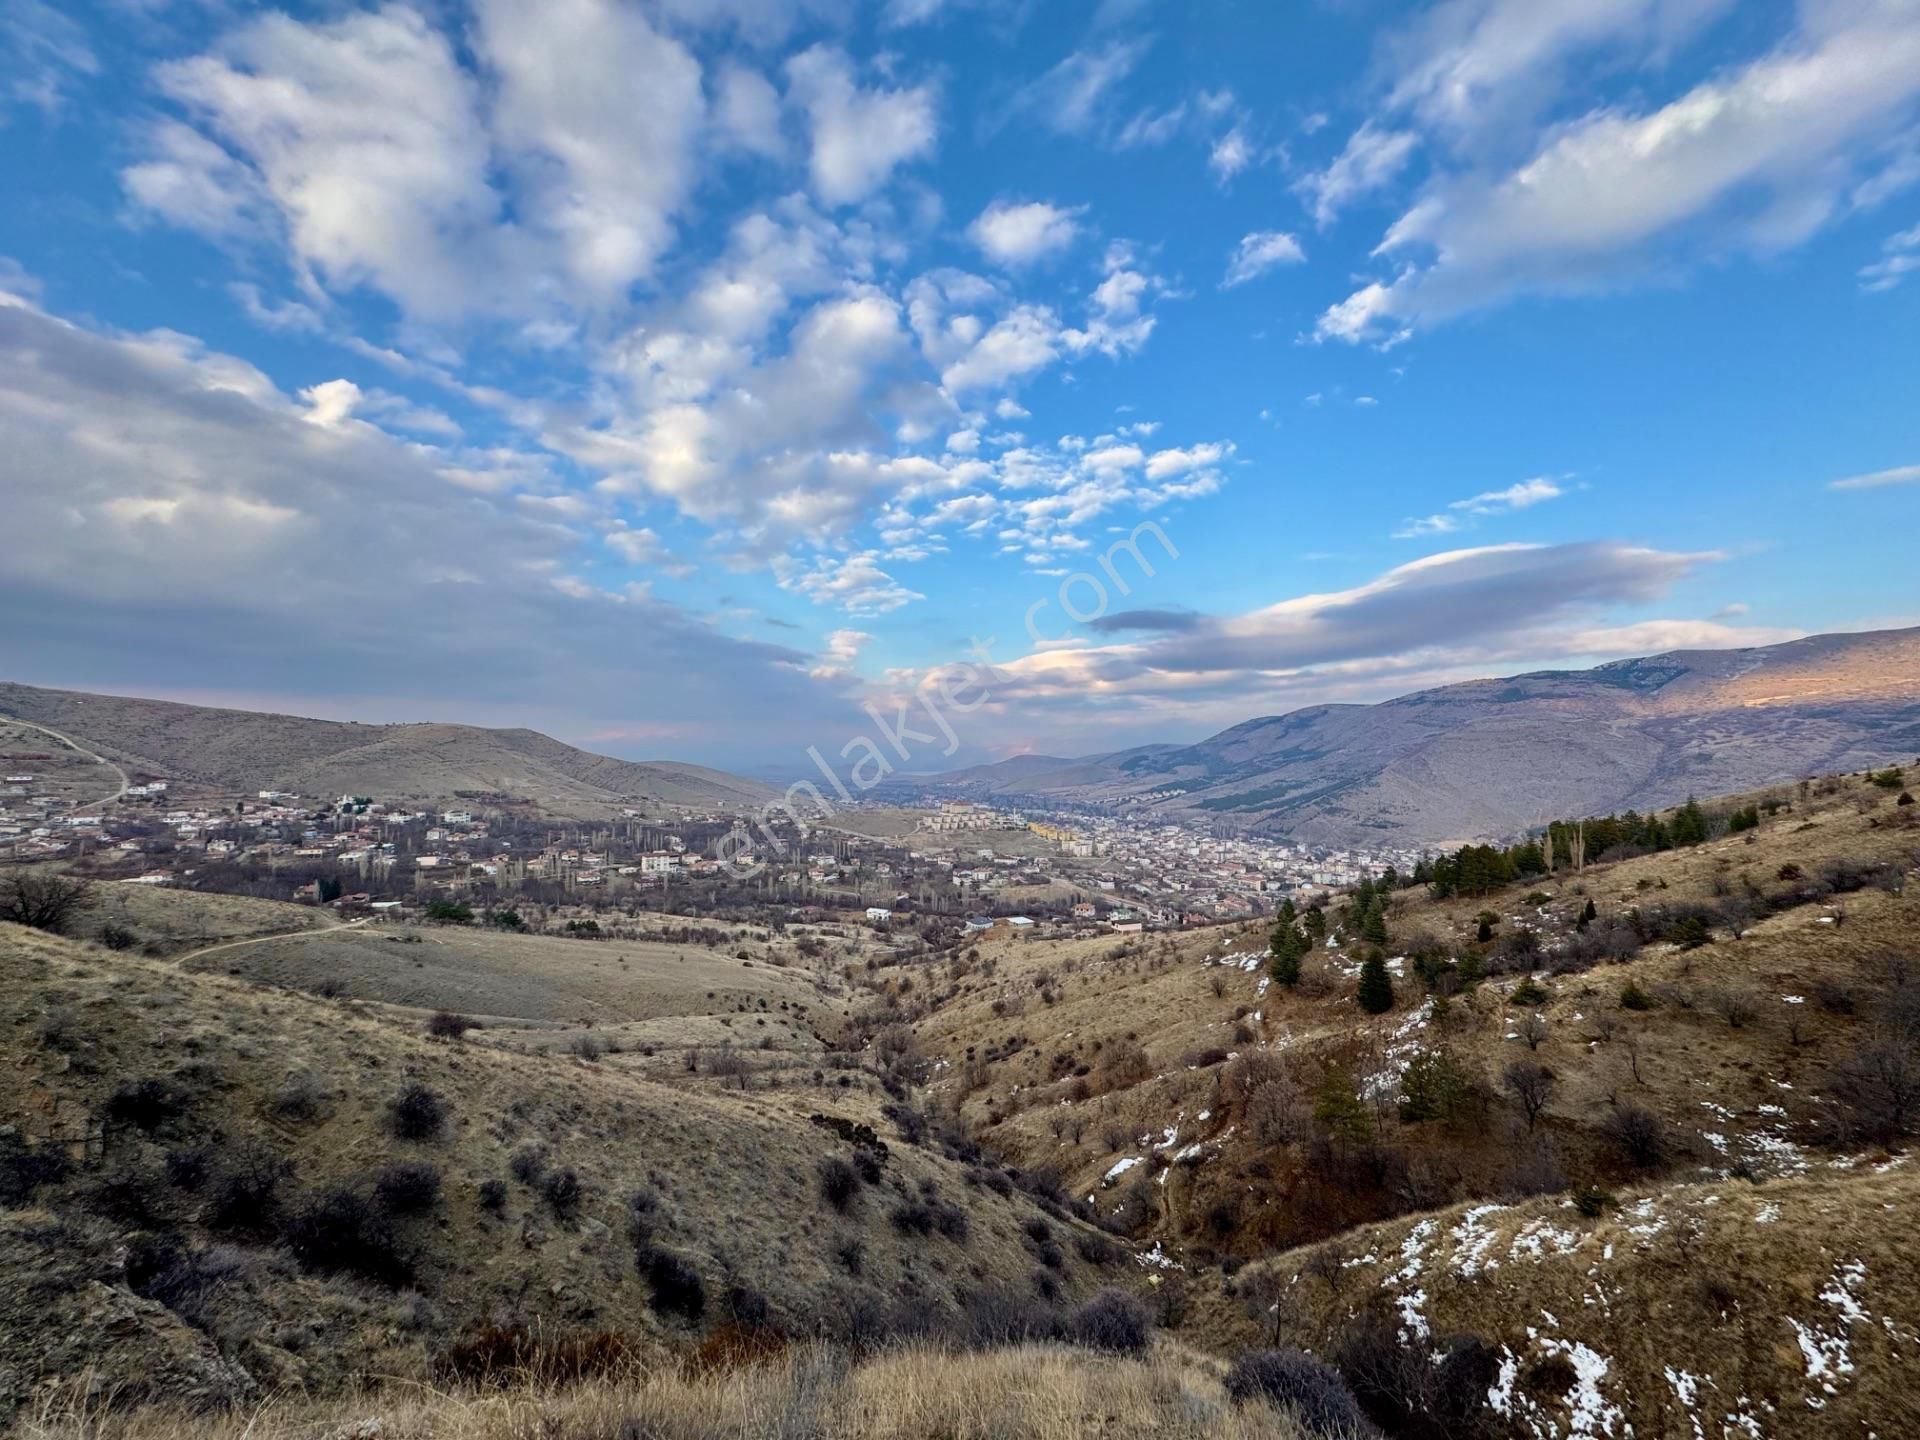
(733, 1175)
(1071, 1004)
(1794, 1304)
(1041, 1392)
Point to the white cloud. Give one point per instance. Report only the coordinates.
(1515, 497)
(1472, 68)
(1260, 252)
(1520, 496)
(43, 53)
(1900, 258)
(174, 518)
(1076, 96)
(1019, 234)
(855, 583)
(1761, 156)
(364, 134)
(601, 112)
(189, 181)
(859, 136)
(1373, 157)
(1879, 479)
(1231, 153)
(746, 112)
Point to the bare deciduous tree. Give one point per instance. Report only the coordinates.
(43, 899)
(1531, 1083)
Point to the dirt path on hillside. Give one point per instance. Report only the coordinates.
(125, 782)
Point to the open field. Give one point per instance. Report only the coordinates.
(503, 976)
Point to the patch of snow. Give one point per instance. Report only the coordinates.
(1120, 1167)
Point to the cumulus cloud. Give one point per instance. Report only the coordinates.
(365, 137)
(1260, 252)
(859, 135)
(854, 583)
(1019, 234)
(601, 111)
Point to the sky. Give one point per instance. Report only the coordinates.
(703, 379)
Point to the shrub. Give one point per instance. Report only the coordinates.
(528, 1163)
(25, 1168)
(1592, 1200)
(1095, 1248)
(747, 1307)
(244, 1194)
(416, 1113)
(562, 1190)
(1296, 1381)
(1113, 1321)
(672, 1282)
(493, 1196)
(1528, 992)
(409, 1187)
(301, 1096)
(912, 1217)
(147, 1104)
(340, 1231)
(1690, 932)
(838, 1184)
(1640, 1135)
(1632, 997)
(445, 1025)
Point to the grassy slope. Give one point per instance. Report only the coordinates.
(1042, 1392)
(1792, 1306)
(1753, 1097)
(243, 750)
(735, 1176)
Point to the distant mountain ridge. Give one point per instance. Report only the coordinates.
(252, 750)
(1488, 758)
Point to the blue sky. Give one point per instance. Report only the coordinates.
(681, 376)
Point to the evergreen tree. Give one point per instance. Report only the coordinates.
(1338, 1108)
(1373, 924)
(1689, 824)
(1287, 945)
(1376, 986)
(1316, 924)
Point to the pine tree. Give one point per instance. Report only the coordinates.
(1373, 924)
(1287, 945)
(1316, 924)
(1376, 986)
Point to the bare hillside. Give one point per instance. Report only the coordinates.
(243, 750)
(1492, 757)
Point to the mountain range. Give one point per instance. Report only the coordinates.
(1489, 758)
(247, 750)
